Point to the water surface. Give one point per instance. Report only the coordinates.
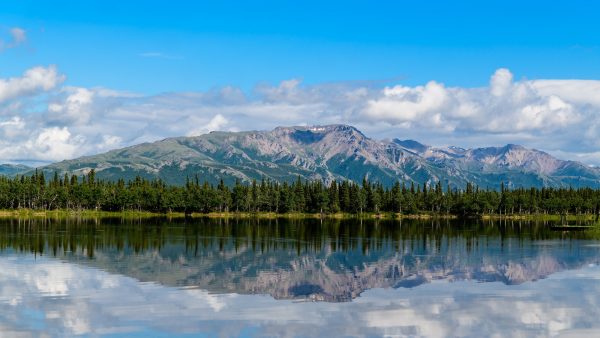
(207, 277)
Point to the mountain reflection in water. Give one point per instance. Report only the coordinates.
(330, 260)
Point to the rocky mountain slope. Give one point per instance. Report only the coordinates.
(332, 152)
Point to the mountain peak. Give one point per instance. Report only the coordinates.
(333, 133)
(328, 128)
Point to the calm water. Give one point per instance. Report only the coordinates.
(296, 278)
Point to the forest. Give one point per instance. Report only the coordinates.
(37, 192)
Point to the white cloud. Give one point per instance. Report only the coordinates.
(401, 104)
(501, 82)
(504, 107)
(582, 92)
(54, 142)
(12, 127)
(44, 144)
(33, 81)
(74, 109)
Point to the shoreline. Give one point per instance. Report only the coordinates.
(29, 213)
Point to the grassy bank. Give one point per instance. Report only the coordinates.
(29, 213)
(541, 217)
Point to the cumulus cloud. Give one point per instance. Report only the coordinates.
(45, 144)
(501, 82)
(405, 105)
(504, 106)
(54, 142)
(75, 108)
(582, 92)
(33, 81)
(559, 116)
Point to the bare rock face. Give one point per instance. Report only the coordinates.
(331, 152)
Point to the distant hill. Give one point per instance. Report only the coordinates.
(13, 169)
(332, 152)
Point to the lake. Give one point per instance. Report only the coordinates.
(245, 277)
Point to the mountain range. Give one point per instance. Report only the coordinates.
(331, 152)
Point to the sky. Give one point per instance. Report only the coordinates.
(83, 77)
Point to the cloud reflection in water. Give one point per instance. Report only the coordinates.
(59, 298)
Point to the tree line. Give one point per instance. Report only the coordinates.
(88, 193)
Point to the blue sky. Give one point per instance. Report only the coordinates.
(155, 46)
(82, 77)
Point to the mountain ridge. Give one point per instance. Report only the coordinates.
(329, 152)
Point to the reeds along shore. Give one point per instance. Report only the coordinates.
(89, 214)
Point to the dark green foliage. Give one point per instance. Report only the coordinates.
(89, 193)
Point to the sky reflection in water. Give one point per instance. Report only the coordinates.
(172, 279)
